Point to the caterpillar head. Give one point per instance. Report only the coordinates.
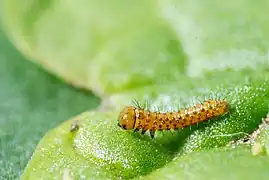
(126, 119)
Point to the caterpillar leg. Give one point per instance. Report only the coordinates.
(143, 131)
(152, 133)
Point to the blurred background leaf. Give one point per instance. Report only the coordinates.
(113, 47)
(31, 103)
(103, 46)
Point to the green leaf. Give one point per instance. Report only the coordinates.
(113, 47)
(100, 145)
(94, 48)
(31, 103)
(220, 34)
(215, 164)
(173, 53)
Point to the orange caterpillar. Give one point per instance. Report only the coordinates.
(138, 118)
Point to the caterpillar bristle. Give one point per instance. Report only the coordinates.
(136, 103)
